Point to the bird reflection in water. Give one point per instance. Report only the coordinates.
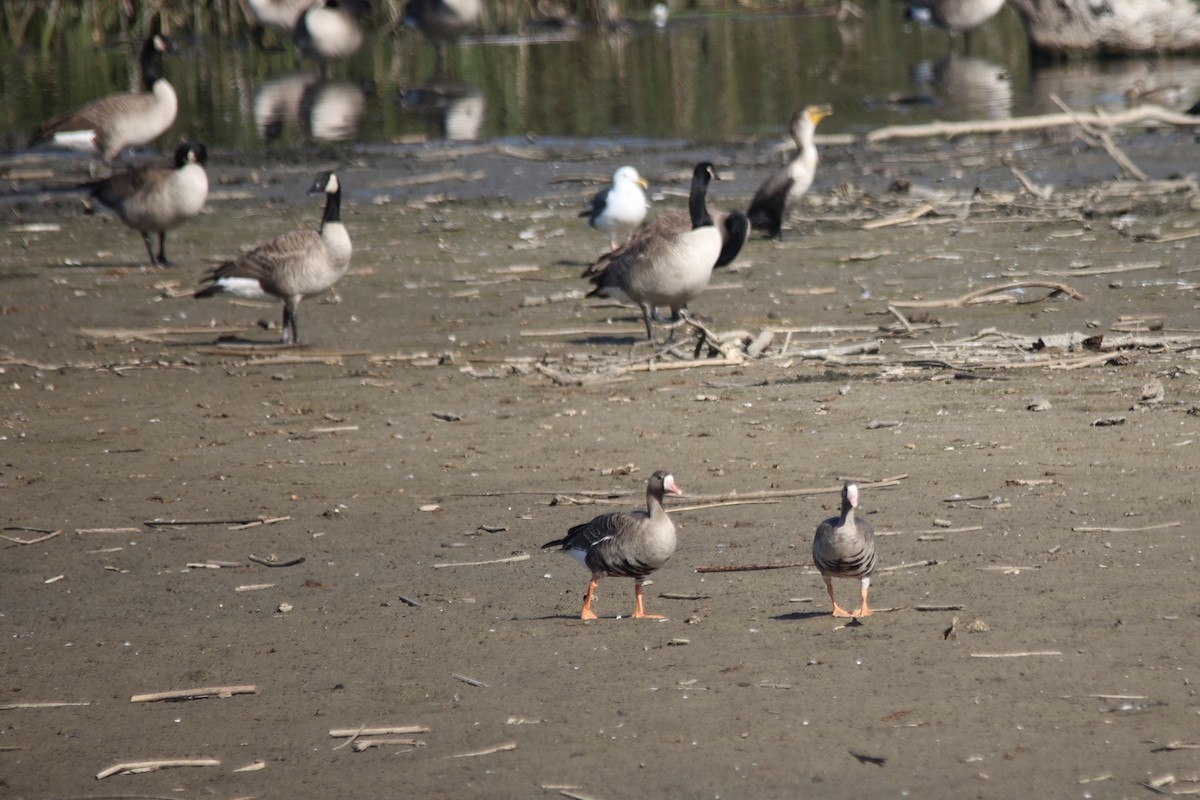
(322, 109)
(458, 108)
(976, 88)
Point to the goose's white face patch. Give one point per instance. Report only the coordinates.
(248, 288)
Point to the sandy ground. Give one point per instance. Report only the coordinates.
(415, 435)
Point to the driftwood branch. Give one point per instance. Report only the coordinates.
(510, 559)
(194, 694)
(1134, 116)
(132, 767)
(979, 294)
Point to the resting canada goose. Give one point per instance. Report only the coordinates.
(112, 123)
(771, 202)
(157, 199)
(844, 547)
(293, 266)
(619, 208)
(330, 30)
(667, 269)
(626, 544)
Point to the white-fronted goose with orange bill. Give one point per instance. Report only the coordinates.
(293, 266)
(844, 547)
(625, 544)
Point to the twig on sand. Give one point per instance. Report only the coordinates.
(979, 294)
(17, 540)
(47, 704)
(366, 744)
(1092, 529)
(751, 567)
(699, 506)
(903, 218)
(248, 521)
(388, 730)
(882, 483)
(1105, 138)
(1021, 654)
(465, 679)
(132, 767)
(275, 562)
(930, 562)
(500, 748)
(443, 564)
(195, 694)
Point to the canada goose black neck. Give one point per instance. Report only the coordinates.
(189, 153)
(328, 183)
(697, 206)
(155, 44)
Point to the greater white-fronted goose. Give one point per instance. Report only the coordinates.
(844, 547)
(112, 123)
(154, 199)
(788, 184)
(625, 544)
(618, 209)
(331, 30)
(293, 266)
(666, 269)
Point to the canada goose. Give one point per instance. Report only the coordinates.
(112, 123)
(278, 15)
(954, 16)
(626, 544)
(668, 269)
(331, 30)
(458, 109)
(156, 199)
(293, 266)
(788, 184)
(619, 208)
(734, 227)
(844, 547)
(442, 20)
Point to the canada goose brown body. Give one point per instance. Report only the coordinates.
(733, 226)
(627, 544)
(112, 123)
(956, 16)
(665, 269)
(290, 267)
(156, 199)
(779, 193)
(844, 547)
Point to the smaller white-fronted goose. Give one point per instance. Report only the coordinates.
(844, 547)
(665, 269)
(331, 30)
(112, 123)
(625, 544)
(788, 184)
(618, 209)
(156, 199)
(293, 266)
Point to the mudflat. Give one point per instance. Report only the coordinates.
(346, 536)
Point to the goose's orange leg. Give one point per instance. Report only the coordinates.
(640, 613)
(587, 612)
(838, 611)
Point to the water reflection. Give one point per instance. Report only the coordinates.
(973, 87)
(706, 78)
(320, 108)
(457, 109)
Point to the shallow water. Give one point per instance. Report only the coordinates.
(715, 77)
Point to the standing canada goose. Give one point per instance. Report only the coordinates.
(331, 30)
(156, 199)
(733, 225)
(293, 266)
(844, 547)
(667, 269)
(618, 209)
(112, 123)
(771, 202)
(625, 544)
